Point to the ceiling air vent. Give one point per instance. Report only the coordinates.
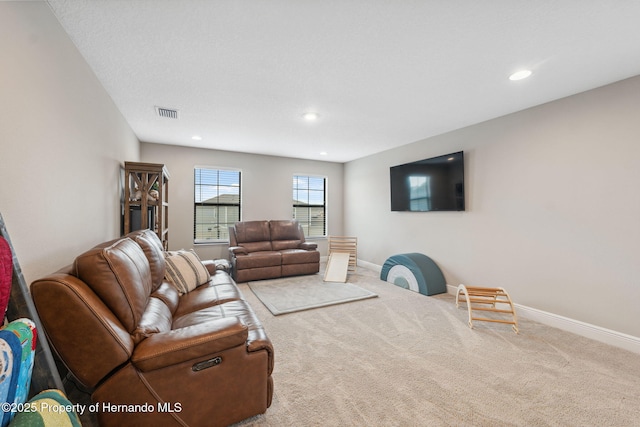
(169, 113)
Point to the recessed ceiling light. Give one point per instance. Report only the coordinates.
(323, 153)
(196, 138)
(310, 116)
(519, 75)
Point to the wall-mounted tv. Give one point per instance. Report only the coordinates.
(435, 184)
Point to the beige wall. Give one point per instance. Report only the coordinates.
(553, 207)
(62, 142)
(266, 189)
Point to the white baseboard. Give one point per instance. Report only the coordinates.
(371, 266)
(607, 336)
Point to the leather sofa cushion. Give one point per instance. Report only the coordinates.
(120, 275)
(156, 318)
(284, 230)
(264, 246)
(213, 293)
(168, 294)
(299, 256)
(240, 309)
(252, 231)
(152, 248)
(279, 245)
(258, 260)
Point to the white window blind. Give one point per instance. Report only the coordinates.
(217, 203)
(309, 204)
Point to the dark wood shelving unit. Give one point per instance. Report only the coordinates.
(146, 199)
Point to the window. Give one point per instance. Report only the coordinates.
(309, 204)
(217, 203)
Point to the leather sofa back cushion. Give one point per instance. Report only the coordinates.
(285, 234)
(169, 295)
(152, 248)
(285, 230)
(156, 318)
(252, 231)
(120, 275)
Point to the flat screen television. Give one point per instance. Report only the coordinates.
(434, 184)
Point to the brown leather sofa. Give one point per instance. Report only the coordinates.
(269, 249)
(149, 355)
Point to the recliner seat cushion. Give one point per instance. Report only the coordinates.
(280, 245)
(240, 309)
(219, 290)
(258, 260)
(263, 246)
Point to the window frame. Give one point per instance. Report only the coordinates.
(307, 225)
(196, 204)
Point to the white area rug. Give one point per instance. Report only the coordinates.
(298, 293)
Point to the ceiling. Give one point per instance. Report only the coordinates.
(379, 73)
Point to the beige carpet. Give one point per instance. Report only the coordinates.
(405, 359)
(291, 294)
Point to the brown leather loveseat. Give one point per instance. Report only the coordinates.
(150, 355)
(269, 249)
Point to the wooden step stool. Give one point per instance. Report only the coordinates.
(486, 299)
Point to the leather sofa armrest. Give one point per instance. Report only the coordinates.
(308, 246)
(237, 250)
(209, 265)
(192, 342)
(213, 265)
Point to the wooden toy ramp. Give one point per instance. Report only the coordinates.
(343, 255)
(337, 267)
(345, 244)
(494, 300)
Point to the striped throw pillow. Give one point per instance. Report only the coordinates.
(185, 271)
